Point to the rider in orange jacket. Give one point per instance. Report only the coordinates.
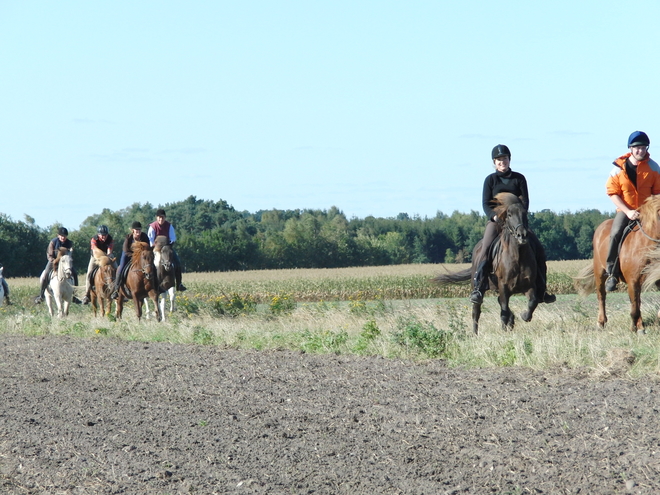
(634, 178)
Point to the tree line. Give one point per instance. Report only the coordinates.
(213, 236)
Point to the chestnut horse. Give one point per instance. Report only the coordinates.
(514, 267)
(141, 281)
(103, 283)
(638, 262)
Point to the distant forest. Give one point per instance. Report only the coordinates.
(213, 236)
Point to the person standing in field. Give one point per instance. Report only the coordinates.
(634, 178)
(162, 227)
(505, 180)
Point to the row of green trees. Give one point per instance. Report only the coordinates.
(213, 236)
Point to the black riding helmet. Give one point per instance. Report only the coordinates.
(499, 151)
(102, 230)
(638, 138)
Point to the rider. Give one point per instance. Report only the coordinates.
(103, 241)
(504, 180)
(163, 227)
(6, 289)
(136, 235)
(54, 246)
(634, 178)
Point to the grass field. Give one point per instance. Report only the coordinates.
(394, 312)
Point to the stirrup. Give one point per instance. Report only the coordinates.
(611, 283)
(476, 297)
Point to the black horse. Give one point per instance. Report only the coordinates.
(514, 267)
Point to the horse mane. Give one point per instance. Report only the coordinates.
(61, 252)
(648, 213)
(138, 248)
(501, 203)
(160, 242)
(100, 258)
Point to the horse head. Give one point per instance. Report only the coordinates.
(143, 259)
(512, 215)
(65, 267)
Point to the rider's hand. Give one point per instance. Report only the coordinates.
(632, 214)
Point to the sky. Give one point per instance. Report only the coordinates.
(375, 107)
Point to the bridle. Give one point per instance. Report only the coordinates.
(638, 225)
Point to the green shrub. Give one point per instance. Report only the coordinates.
(422, 336)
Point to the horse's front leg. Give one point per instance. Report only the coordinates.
(154, 297)
(532, 303)
(635, 295)
(138, 306)
(506, 315)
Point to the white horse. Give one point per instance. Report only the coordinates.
(60, 286)
(163, 259)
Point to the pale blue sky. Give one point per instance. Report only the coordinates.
(374, 107)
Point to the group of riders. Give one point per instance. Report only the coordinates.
(105, 243)
(634, 178)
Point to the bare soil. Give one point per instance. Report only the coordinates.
(104, 416)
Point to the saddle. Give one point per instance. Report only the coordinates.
(122, 279)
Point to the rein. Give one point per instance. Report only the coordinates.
(641, 229)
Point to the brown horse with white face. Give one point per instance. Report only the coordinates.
(514, 263)
(103, 283)
(639, 262)
(141, 281)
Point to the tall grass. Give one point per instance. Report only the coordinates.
(333, 311)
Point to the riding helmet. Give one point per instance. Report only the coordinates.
(62, 231)
(499, 151)
(638, 138)
(160, 213)
(102, 230)
(136, 225)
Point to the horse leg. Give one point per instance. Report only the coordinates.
(635, 295)
(138, 306)
(532, 303)
(476, 313)
(599, 279)
(120, 305)
(172, 298)
(161, 301)
(506, 315)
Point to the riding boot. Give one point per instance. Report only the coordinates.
(42, 290)
(541, 290)
(177, 277)
(480, 283)
(612, 278)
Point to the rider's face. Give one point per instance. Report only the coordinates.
(103, 237)
(502, 163)
(160, 220)
(639, 152)
(62, 238)
(136, 233)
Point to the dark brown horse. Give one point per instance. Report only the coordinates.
(103, 283)
(141, 281)
(514, 266)
(638, 260)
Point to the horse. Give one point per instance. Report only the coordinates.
(141, 281)
(103, 282)
(514, 268)
(639, 262)
(61, 283)
(164, 261)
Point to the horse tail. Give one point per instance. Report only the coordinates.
(454, 278)
(651, 271)
(585, 281)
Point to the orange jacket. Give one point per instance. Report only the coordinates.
(648, 181)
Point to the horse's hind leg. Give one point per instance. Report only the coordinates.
(634, 293)
(476, 313)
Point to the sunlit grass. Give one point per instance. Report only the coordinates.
(274, 310)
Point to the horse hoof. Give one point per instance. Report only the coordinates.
(641, 331)
(526, 316)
